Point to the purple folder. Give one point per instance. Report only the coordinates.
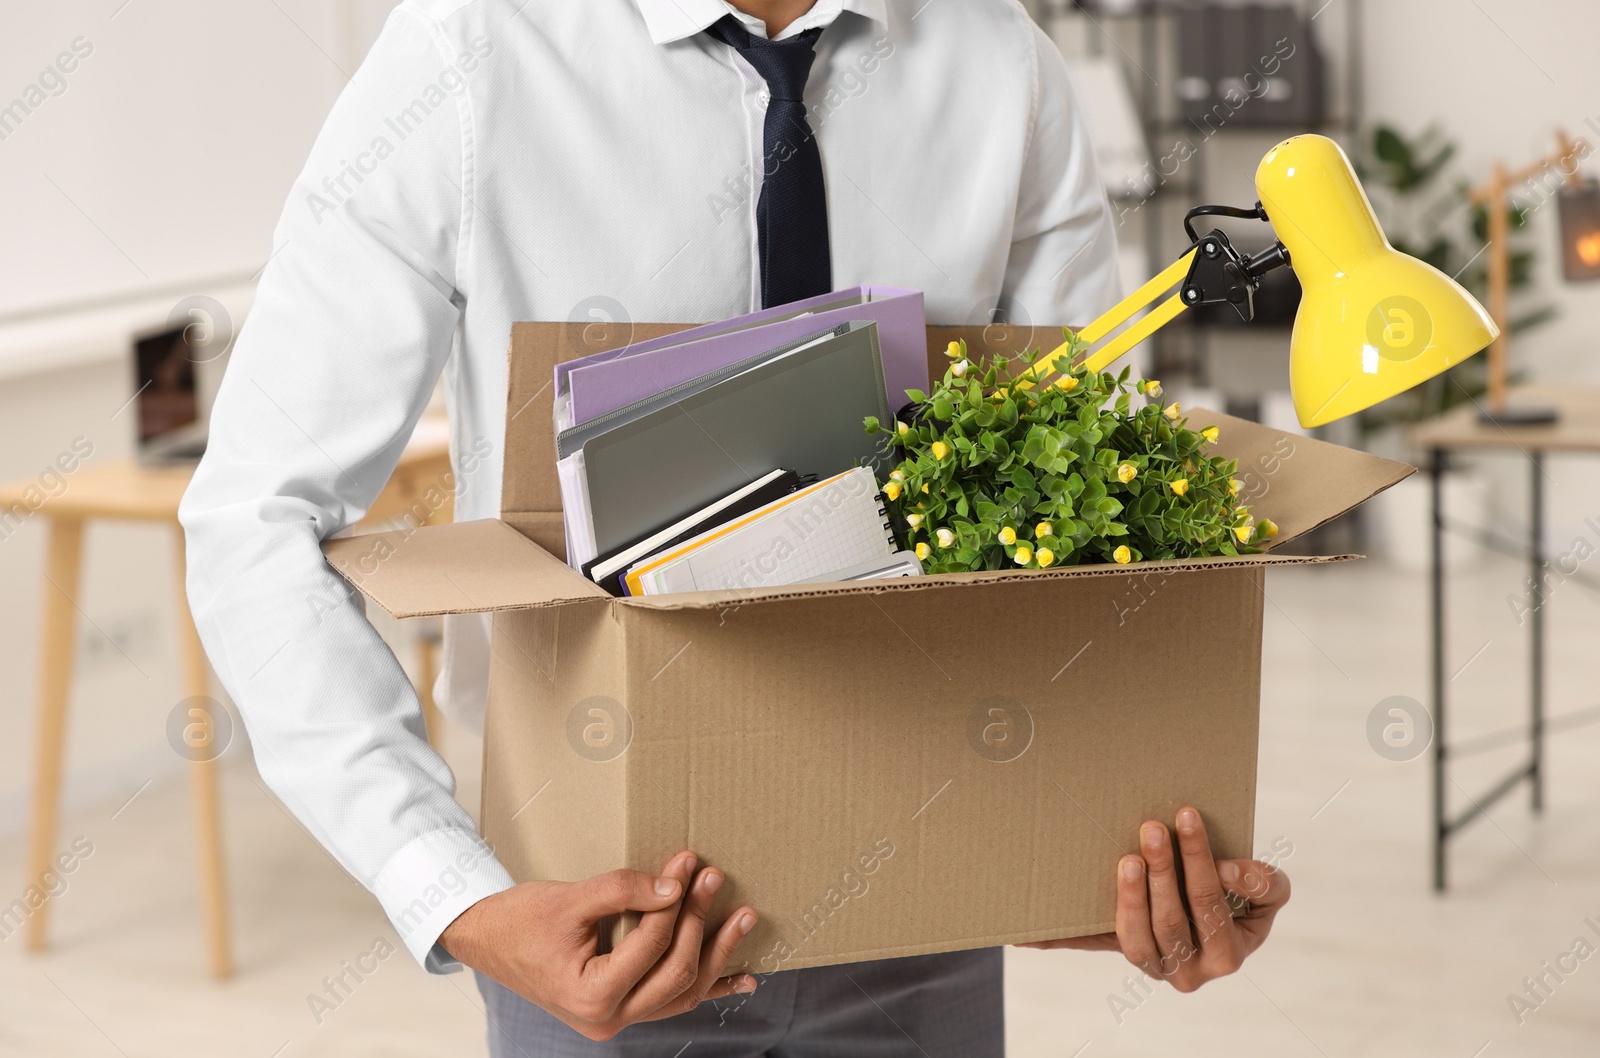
(602, 383)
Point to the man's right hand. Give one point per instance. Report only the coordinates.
(540, 939)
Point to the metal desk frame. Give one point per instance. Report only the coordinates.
(1444, 826)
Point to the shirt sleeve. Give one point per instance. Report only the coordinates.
(1063, 263)
(353, 320)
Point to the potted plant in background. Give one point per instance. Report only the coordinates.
(1430, 218)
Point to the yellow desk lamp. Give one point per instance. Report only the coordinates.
(1373, 322)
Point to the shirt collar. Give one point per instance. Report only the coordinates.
(670, 20)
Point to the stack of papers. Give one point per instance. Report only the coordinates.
(838, 524)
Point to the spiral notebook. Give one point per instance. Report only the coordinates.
(833, 525)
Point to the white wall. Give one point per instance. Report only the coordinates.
(171, 149)
(1502, 76)
(1502, 90)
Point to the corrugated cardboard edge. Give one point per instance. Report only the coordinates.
(462, 567)
(1248, 583)
(487, 567)
(719, 600)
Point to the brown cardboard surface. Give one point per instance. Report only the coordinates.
(528, 481)
(489, 567)
(463, 567)
(1298, 482)
(830, 754)
(881, 769)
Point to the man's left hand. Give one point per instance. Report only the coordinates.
(1154, 931)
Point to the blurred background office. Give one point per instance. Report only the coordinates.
(146, 147)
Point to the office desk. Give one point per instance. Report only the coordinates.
(124, 490)
(1577, 431)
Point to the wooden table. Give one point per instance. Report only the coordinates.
(124, 490)
(1576, 431)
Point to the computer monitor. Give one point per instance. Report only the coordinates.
(170, 424)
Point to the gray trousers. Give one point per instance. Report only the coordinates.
(937, 1006)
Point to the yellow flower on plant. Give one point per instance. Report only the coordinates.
(1066, 383)
(1269, 528)
(1043, 529)
(953, 350)
(1233, 486)
(1211, 433)
(1173, 411)
(901, 428)
(1122, 555)
(914, 520)
(892, 490)
(923, 551)
(1046, 557)
(940, 449)
(1008, 536)
(1152, 387)
(959, 368)
(1244, 532)
(924, 487)
(945, 537)
(1126, 473)
(1180, 487)
(1023, 555)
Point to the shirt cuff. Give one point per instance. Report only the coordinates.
(431, 881)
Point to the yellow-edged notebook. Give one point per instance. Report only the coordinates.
(832, 525)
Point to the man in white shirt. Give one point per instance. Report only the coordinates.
(504, 160)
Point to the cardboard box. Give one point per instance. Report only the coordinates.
(881, 769)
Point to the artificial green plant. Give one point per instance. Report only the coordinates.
(999, 470)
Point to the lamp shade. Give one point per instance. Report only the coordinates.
(1373, 322)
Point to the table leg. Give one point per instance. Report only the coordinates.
(203, 792)
(56, 631)
(1536, 631)
(426, 673)
(1441, 832)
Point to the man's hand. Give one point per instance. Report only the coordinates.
(540, 940)
(1153, 929)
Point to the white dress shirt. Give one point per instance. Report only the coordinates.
(504, 160)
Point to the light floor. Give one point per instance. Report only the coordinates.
(1366, 960)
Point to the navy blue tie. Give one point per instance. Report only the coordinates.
(792, 213)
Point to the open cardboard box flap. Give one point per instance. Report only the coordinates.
(483, 566)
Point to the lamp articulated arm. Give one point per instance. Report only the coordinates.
(1211, 273)
(1372, 322)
